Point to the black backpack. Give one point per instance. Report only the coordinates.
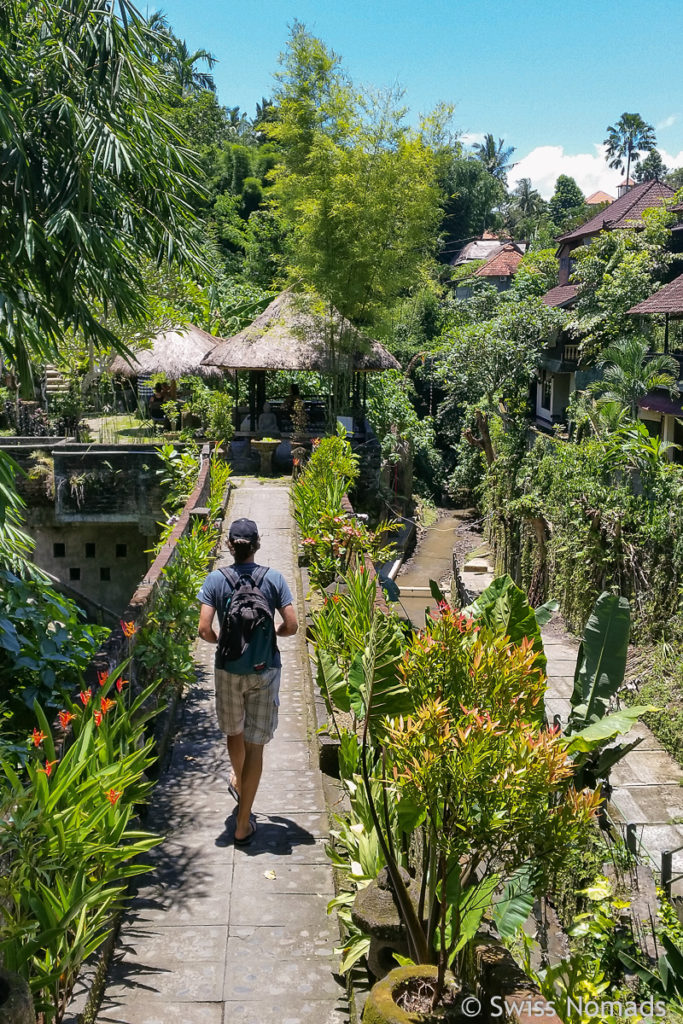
(246, 642)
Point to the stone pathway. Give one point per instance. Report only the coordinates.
(647, 782)
(218, 935)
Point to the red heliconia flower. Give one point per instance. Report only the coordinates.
(335, 598)
(102, 677)
(106, 704)
(113, 796)
(46, 769)
(127, 627)
(97, 715)
(120, 683)
(85, 696)
(65, 717)
(37, 737)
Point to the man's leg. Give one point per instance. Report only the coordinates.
(251, 776)
(236, 755)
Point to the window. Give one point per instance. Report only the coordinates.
(74, 574)
(58, 550)
(105, 574)
(90, 550)
(121, 550)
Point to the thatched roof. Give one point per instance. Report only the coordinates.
(289, 336)
(175, 353)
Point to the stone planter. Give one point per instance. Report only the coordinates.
(376, 913)
(16, 1005)
(381, 1006)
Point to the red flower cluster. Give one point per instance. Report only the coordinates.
(128, 628)
(37, 737)
(65, 717)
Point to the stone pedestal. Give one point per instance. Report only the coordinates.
(16, 1005)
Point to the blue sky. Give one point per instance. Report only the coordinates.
(548, 77)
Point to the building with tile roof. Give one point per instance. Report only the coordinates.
(599, 197)
(501, 267)
(560, 372)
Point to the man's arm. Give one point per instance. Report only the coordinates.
(289, 624)
(206, 614)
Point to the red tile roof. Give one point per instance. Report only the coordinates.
(503, 263)
(668, 299)
(560, 296)
(599, 197)
(624, 211)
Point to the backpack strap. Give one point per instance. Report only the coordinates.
(231, 576)
(258, 575)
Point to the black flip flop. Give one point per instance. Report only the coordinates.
(233, 792)
(248, 838)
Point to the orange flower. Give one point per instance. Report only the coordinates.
(106, 704)
(120, 683)
(113, 796)
(65, 717)
(37, 737)
(127, 627)
(85, 696)
(102, 677)
(46, 769)
(97, 715)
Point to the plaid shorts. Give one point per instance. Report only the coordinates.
(248, 703)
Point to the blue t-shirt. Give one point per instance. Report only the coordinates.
(216, 590)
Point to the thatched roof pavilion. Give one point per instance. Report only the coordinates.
(289, 336)
(177, 353)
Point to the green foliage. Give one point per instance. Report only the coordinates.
(504, 608)
(92, 172)
(618, 270)
(601, 661)
(45, 647)
(393, 417)
(629, 374)
(179, 471)
(566, 202)
(627, 138)
(356, 189)
(68, 841)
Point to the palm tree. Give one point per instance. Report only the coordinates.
(629, 374)
(629, 137)
(527, 200)
(182, 64)
(495, 158)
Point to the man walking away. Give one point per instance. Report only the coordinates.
(247, 679)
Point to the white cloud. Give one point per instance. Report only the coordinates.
(470, 138)
(545, 163)
(667, 122)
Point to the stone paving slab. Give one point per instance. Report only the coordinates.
(256, 978)
(150, 1010)
(288, 1009)
(654, 805)
(252, 940)
(289, 877)
(646, 768)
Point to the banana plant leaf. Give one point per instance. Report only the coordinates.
(374, 685)
(605, 729)
(513, 908)
(332, 683)
(601, 661)
(504, 608)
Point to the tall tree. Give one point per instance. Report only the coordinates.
(651, 168)
(472, 198)
(495, 156)
(626, 139)
(357, 189)
(527, 199)
(566, 202)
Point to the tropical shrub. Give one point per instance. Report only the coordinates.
(45, 647)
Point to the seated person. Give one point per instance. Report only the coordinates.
(267, 421)
(156, 401)
(291, 399)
